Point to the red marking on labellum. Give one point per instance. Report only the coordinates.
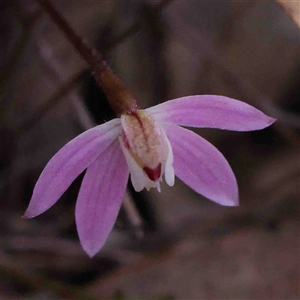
(153, 174)
(125, 141)
(134, 114)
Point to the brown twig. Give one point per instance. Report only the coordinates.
(57, 98)
(47, 106)
(120, 98)
(91, 56)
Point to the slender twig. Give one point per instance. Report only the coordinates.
(57, 74)
(90, 55)
(48, 105)
(119, 97)
(58, 97)
(133, 216)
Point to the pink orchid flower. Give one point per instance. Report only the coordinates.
(149, 145)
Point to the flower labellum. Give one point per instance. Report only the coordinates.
(149, 145)
(147, 151)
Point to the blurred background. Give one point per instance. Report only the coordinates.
(177, 244)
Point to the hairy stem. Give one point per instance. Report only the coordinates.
(119, 97)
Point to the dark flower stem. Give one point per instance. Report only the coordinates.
(120, 98)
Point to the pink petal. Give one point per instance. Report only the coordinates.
(211, 111)
(68, 163)
(201, 166)
(100, 198)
